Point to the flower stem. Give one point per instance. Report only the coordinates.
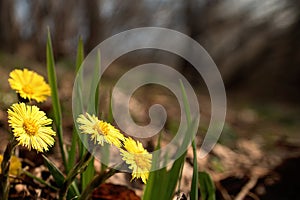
(77, 169)
(4, 183)
(96, 182)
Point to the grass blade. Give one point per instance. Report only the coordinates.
(75, 139)
(207, 188)
(88, 175)
(162, 183)
(173, 176)
(54, 96)
(105, 148)
(55, 172)
(194, 187)
(59, 178)
(39, 180)
(80, 54)
(186, 103)
(93, 98)
(72, 151)
(167, 180)
(96, 81)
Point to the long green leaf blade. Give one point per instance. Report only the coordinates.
(186, 103)
(59, 177)
(207, 187)
(55, 172)
(187, 109)
(75, 138)
(80, 54)
(151, 192)
(169, 179)
(173, 176)
(54, 96)
(194, 187)
(88, 175)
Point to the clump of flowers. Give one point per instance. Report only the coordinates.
(30, 126)
(29, 85)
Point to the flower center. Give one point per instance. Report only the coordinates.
(101, 128)
(28, 89)
(30, 127)
(142, 161)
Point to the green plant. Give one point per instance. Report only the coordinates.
(78, 179)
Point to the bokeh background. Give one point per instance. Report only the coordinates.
(255, 45)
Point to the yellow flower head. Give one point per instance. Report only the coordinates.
(29, 85)
(30, 128)
(99, 130)
(15, 165)
(138, 159)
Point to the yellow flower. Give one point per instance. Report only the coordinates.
(99, 130)
(15, 165)
(138, 159)
(29, 85)
(29, 126)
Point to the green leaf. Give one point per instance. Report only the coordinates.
(173, 176)
(75, 138)
(59, 178)
(55, 172)
(73, 191)
(186, 104)
(72, 150)
(194, 186)
(110, 117)
(104, 156)
(80, 54)
(105, 148)
(94, 86)
(152, 191)
(78, 103)
(187, 109)
(207, 187)
(79, 168)
(96, 81)
(88, 174)
(39, 180)
(54, 96)
(162, 183)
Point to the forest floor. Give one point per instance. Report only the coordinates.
(256, 157)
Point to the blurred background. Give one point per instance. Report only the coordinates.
(255, 45)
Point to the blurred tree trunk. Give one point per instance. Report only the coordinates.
(40, 11)
(94, 24)
(64, 29)
(53, 14)
(9, 32)
(195, 29)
